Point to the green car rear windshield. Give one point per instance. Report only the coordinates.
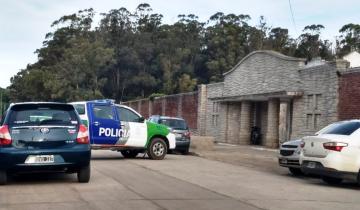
(42, 114)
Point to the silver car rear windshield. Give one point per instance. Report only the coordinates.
(42, 114)
(343, 128)
(176, 124)
(80, 108)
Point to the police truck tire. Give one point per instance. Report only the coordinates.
(83, 174)
(157, 149)
(3, 177)
(129, 153)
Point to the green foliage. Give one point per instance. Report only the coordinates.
(4, 100)
(133, 54)
(186, 83)
(155, 95)
(311, 46)
(227, 41)
(349, 39)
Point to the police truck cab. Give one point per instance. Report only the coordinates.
(120, 128)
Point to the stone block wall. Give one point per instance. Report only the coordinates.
(316, 96)
(263, 72)
(233, 122)
(212, 129)
(318, 106)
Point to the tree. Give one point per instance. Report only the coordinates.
(179, 48)
(132, 54)
(4, 100)
(226, 43)
(349, 39)
(80, 75)
(279, 40)
(186, 83)
(311, 46)
(51, 77)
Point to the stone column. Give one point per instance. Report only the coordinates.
(245, 128)
(272, 131)
(284, 120)
(202, 110)
(139, 106)
(163, 106)
(179, 105)
(150, 107)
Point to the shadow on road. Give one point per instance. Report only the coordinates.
(41, 178)
(141, 156)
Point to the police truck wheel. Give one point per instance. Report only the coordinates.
(83, 174)
(3, 177)
(157, 149)
(129, 153)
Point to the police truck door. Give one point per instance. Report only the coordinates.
(103, 124)
(134, 130)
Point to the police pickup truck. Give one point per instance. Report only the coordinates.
(120, 128)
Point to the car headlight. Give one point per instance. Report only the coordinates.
(171, 130)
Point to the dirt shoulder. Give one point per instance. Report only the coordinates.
(256, 157)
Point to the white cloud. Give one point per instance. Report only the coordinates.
(24, 23)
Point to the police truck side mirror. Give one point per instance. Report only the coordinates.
(141, 119)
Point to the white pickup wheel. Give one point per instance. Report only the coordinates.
(157, 149)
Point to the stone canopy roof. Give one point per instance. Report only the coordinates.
(269, 52)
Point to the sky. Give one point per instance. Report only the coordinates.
(24, 23)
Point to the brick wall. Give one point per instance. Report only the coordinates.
(189, 109)
(171, 108)
(349, 95)
(144, 110)
(156, 107)
(183, 105)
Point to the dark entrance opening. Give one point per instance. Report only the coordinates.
(258, 122)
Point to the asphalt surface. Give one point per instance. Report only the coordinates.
(178, 182)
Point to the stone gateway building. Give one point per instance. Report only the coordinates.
(282, 97)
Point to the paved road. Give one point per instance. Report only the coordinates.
(178, 182)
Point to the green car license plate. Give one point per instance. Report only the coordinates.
(33, 159)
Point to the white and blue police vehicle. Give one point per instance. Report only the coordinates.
(120, 128)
